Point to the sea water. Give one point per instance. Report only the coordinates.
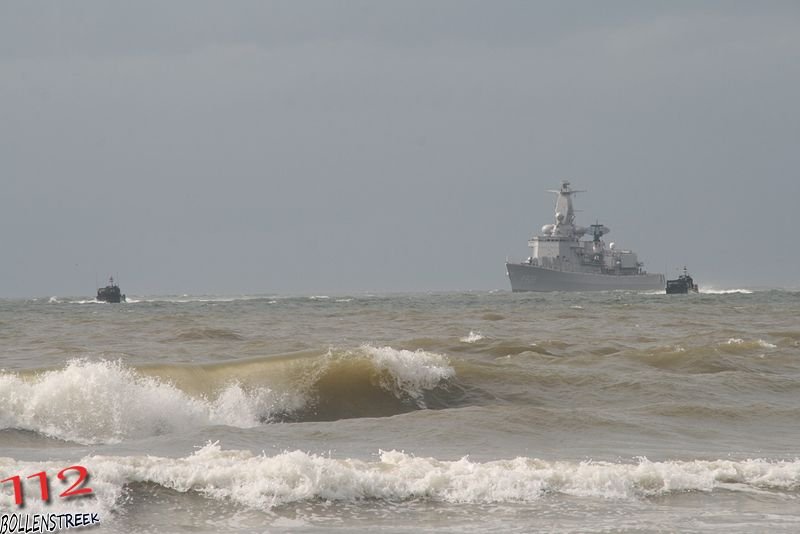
(478, 411)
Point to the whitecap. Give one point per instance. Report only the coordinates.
(263, 482)
(711, 291)
(90, 402)
(410, 372)
(472, 337)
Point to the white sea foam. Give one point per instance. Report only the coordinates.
(90, 402)
(760, 342)
(472, 337)
(712, 291)
(410, 372)
(263, 482)
(190, 299)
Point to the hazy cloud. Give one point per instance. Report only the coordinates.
(304, 147)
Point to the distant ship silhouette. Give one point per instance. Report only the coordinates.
(560, 261)
(110, 293)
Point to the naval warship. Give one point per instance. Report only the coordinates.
(561, 261)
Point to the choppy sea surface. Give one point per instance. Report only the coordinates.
(479, 412)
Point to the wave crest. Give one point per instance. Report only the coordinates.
(405, 372)
(264, 482)
(712, 291)
(374, 382)
(107, 402)
(208, 333)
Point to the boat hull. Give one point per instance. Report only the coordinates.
(681, 287)
(110, 294)
(526, 277)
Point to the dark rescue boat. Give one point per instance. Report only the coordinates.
(110, 293)
(682, 285)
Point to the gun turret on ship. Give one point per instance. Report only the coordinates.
(560, 261)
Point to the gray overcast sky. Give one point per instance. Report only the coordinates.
(307, 147)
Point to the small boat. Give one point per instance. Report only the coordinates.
(682, 285)
(110, 293)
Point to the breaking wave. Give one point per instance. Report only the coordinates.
(264, 482)
(712, 291)
(108, 401)
(409, 372)
(373, 382)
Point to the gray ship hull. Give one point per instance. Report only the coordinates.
(526, 277)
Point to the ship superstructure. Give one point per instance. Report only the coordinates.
(561, 261)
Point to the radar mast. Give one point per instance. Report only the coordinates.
(565, 214)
